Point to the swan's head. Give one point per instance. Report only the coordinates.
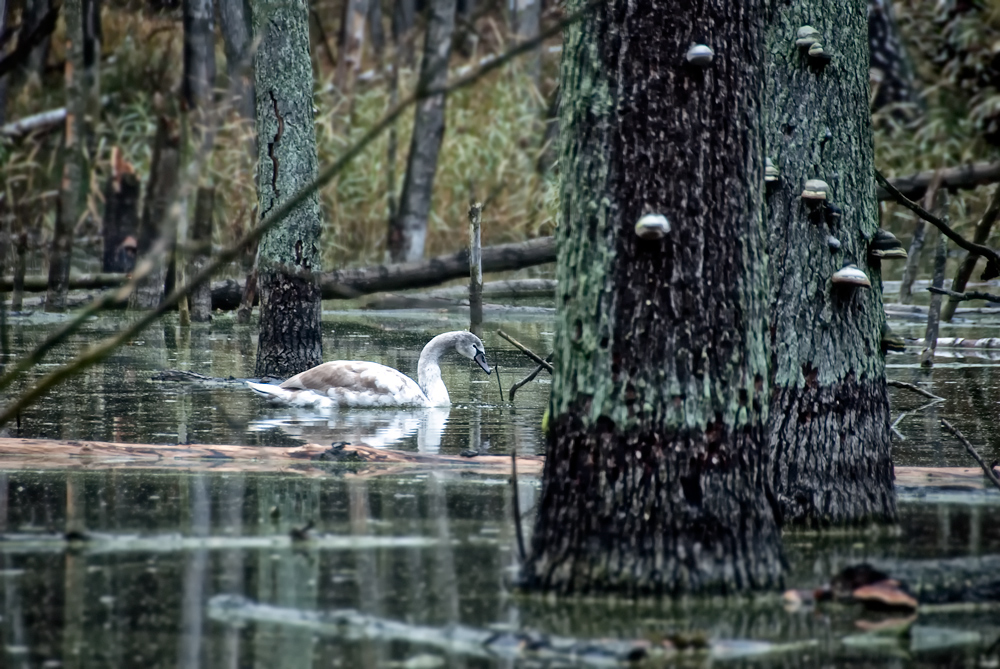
(472, 348)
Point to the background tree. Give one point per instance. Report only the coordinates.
(74, 182)
(655, 475)
(408, 228)
(829, 428)
(290, 337)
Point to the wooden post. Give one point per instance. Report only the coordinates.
(934, 311)
(475, 269)
(201, 240)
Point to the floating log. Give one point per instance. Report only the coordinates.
(310, 459)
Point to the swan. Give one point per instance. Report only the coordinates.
(354, 383)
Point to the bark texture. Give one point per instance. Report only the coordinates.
(290, 338)
(655, 480)
(829, 423)
(72, 188)
(408, 229)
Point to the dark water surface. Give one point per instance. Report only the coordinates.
(425, 548)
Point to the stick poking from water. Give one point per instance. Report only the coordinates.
(973, 452)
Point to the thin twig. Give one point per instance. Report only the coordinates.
(967, 295)
(528, 379)
(97, 353)
(992, 258)
(972, 451)
(915, 388)
(525, 350)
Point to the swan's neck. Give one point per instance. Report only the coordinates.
(429, 369)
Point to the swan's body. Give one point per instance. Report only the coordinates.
(353, 383)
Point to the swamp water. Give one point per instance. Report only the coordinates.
(198, 568)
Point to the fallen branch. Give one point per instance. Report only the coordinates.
(963, 176)
(973, 452)
(992, 258)
(527, 351)
(528, 379)
(915, 388)
(967, 295)
(350, 283)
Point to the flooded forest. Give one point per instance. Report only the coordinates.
(462, 333)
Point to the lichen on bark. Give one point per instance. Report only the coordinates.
(288, 257)
(655, 479)
(829, 427)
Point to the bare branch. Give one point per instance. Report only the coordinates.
(915, 388)
(992, 258)
(972, 451)
(967, 295)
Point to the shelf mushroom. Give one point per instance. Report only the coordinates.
(806, 37)
(771, 173)
(652, 227)
(700, 55)
(884, 245)
(815, 190)
(891, 341)
(850, 276)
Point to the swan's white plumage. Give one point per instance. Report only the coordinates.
(352, 383)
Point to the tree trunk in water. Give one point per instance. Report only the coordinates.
(74, 182)
(965, 270)
(201, 239)
(121, 216)
(376, 30)
(157, 230)
(92, 36)
(655, 479)
(234, 24)
(290, 338)
(829, 423)
(890, 71)
(408, 229)
(352, 42)
(940, 207)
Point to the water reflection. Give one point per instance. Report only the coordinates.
(433, 552)
(379, 428)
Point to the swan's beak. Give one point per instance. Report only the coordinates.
(481, 360)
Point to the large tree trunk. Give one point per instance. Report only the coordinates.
(72, 189)
(829, 422)
(290, 338)
(655, 480)
(408, 229)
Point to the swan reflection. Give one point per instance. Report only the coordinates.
(379, 428)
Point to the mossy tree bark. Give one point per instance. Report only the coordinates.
(829, 424)
(72, 189)
(288, 256)
(655, 479)
(408, 228)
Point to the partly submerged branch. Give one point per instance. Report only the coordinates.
(973, 452)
